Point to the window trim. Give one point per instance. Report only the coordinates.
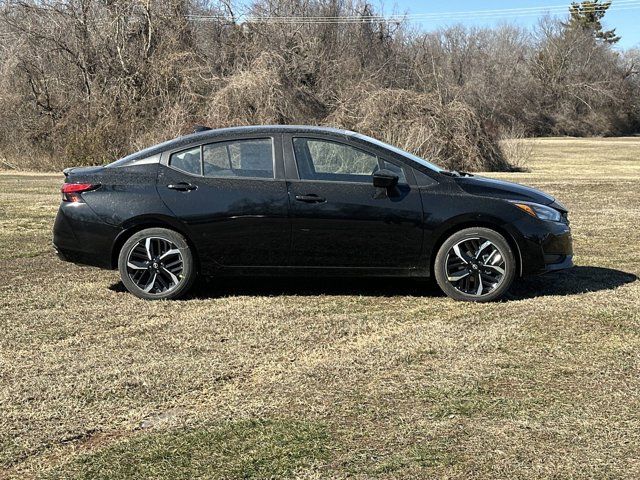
(201, 146)
(348, 182)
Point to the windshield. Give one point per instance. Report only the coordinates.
(399, 151)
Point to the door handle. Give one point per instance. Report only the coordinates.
(182, 187)
(313, 198)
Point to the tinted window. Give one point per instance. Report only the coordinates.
(401, 152)
(326, 160)
(239, 158)
(187, 161)
(128, 161)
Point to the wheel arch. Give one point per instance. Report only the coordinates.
(461, 224)
(137, 224)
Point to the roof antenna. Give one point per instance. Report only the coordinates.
(200, 128)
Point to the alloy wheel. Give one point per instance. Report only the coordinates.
(475, 266)
(155, 265)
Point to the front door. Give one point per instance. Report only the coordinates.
(339, 219)
(229, 196)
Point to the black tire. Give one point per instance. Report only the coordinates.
(450, 267)
(171, 279)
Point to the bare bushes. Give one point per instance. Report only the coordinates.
(84, 82)
(263, 94)
(583, 87)
(516, 148)
(447, 133)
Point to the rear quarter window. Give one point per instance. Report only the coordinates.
(128, 162)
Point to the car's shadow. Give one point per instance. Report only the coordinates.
(569, 282)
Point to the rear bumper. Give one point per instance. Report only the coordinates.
(79, 236)
(81, 258)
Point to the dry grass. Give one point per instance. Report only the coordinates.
(363, 379)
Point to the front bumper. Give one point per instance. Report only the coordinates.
(565, 262)
(544, 246)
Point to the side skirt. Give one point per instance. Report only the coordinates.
(319, 272)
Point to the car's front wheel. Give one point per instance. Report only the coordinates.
(156, 263)
(475, 264)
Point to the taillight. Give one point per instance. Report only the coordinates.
(71, 191)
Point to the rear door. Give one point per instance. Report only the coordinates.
(232, 196)
(339, 219)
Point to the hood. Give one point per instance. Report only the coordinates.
(489, 187)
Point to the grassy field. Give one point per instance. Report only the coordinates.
(361, 379)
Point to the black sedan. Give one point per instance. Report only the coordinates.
(296, 200)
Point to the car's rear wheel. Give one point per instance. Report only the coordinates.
(156, 263)
(475, 264)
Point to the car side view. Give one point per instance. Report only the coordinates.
(297, 200)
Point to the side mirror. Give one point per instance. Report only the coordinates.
(385, 179)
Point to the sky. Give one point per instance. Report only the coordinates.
(624, 15)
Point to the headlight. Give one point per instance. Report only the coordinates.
(539, 211)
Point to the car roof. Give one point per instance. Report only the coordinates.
(258, 129)
(205, 135)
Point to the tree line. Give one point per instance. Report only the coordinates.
(88, 81)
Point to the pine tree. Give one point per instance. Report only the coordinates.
(587, 15)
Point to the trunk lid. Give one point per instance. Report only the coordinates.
(81, 171)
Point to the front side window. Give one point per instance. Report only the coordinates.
(187, 161)
(239, 158)
(327, 160)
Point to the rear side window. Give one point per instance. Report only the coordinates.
(187, 161)
(239, 158)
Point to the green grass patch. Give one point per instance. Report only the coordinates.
(246, 449)
(475, 400)
(417, 458)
